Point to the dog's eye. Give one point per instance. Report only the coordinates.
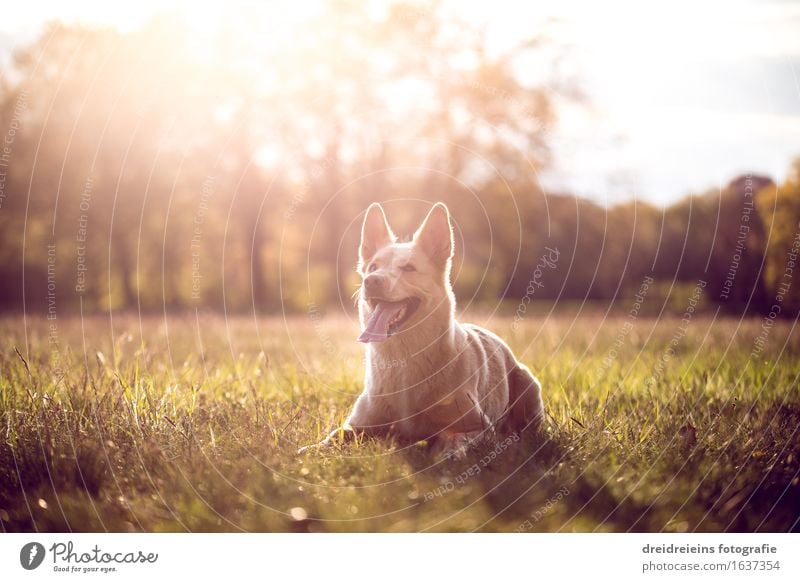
(408, 268)
(372, 267)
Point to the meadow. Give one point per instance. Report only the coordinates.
(191, 423)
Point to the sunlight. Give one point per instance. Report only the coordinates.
(399, 266)
(659, 67)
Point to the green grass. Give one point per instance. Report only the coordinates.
(192, 425)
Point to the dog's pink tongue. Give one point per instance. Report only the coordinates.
(377, 328)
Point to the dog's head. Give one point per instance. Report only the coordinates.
(403, 283)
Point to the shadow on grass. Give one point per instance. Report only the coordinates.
(518, 482)
(542, 484)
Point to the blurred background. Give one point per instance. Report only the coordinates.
(175, 156)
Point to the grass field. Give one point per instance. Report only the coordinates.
(192, 425)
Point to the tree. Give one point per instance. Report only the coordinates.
(779, 209)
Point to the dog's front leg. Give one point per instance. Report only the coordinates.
(341, 435)
(365, 420)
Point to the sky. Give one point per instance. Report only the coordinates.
(680, 97)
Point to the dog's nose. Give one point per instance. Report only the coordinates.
(373, 283)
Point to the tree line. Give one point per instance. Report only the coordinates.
(138, 171)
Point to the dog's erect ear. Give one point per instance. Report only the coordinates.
(435, 236)
(375, 233)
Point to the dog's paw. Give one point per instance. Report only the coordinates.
(339, 436)
(311, 448)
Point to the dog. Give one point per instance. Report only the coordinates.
(429, 377)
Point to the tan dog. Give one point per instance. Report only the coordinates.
(428, 376)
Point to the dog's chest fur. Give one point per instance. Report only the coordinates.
(453, 381)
